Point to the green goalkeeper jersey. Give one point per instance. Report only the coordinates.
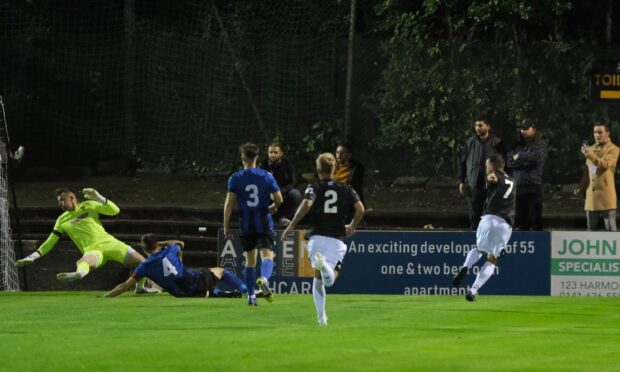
(82, 225)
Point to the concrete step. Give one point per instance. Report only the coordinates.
(175, 221)
(193, 243)
(119, 226)
(147, 212)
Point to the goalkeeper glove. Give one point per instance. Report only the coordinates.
(28, 260)
(93, 194)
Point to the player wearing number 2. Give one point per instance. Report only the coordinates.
(495, 226)
(253, 189)
(328, 203)
(164, 267)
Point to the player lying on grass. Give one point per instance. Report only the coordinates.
(80, 221)
(495, 226)
(328, 203)
(164, 267)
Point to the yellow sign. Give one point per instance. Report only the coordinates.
(605, 83)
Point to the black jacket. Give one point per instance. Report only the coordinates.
(283, 172)
(527, 169)
(474, 154)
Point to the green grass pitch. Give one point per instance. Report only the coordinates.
(63, 331)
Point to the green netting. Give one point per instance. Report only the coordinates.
(198, 79)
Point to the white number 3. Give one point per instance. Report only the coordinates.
(253, 197)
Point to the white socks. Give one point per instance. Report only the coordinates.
(328, 275)
(473, 256)
(318, 293)
(483, 275)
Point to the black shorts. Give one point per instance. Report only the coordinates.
(253, 241)
(206, 282)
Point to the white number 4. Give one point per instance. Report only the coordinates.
(510, 185)
(169, 267)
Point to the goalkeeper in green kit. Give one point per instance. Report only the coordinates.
(80, 221)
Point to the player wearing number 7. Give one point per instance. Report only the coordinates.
(80, 221)
(328, 203)
(495, 226)
(164, 267)
(254, 189)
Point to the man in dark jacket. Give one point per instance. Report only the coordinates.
(284, 173)
(471, 172)
(526, 160)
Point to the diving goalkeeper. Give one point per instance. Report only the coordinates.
(80, 221)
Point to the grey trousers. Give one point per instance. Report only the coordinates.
(594, 217)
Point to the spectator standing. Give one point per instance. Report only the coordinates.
(284, 173)
(598, 181)
(471, 171)
(526, 161)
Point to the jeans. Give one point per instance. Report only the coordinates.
(594, 217)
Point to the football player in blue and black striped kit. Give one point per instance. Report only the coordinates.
(258, 196)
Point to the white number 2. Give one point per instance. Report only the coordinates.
(253, 198)
(331, 197)
(510, 185)
(168, 267)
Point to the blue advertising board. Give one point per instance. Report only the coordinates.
(402, 262)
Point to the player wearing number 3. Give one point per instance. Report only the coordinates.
(254, 189)
(328, 203)
(164, 267)
(495, 226)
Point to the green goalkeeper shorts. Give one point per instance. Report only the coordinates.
(111, 250)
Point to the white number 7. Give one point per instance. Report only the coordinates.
(510, 185)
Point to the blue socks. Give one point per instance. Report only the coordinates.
(266, 268)
(232, 280)
(250, 278)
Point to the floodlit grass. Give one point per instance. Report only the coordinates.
(79, 331)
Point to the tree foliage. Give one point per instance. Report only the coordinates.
(449, 60)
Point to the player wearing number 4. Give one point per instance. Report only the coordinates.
(328, 203)
(80, 221)
(495, 226)
(253, 189)
(164, 267)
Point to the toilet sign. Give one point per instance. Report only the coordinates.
(605, 83)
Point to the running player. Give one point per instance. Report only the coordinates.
(328, 203)
(495, 226)
(80, 221)
(164, 267)
(254, 189)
